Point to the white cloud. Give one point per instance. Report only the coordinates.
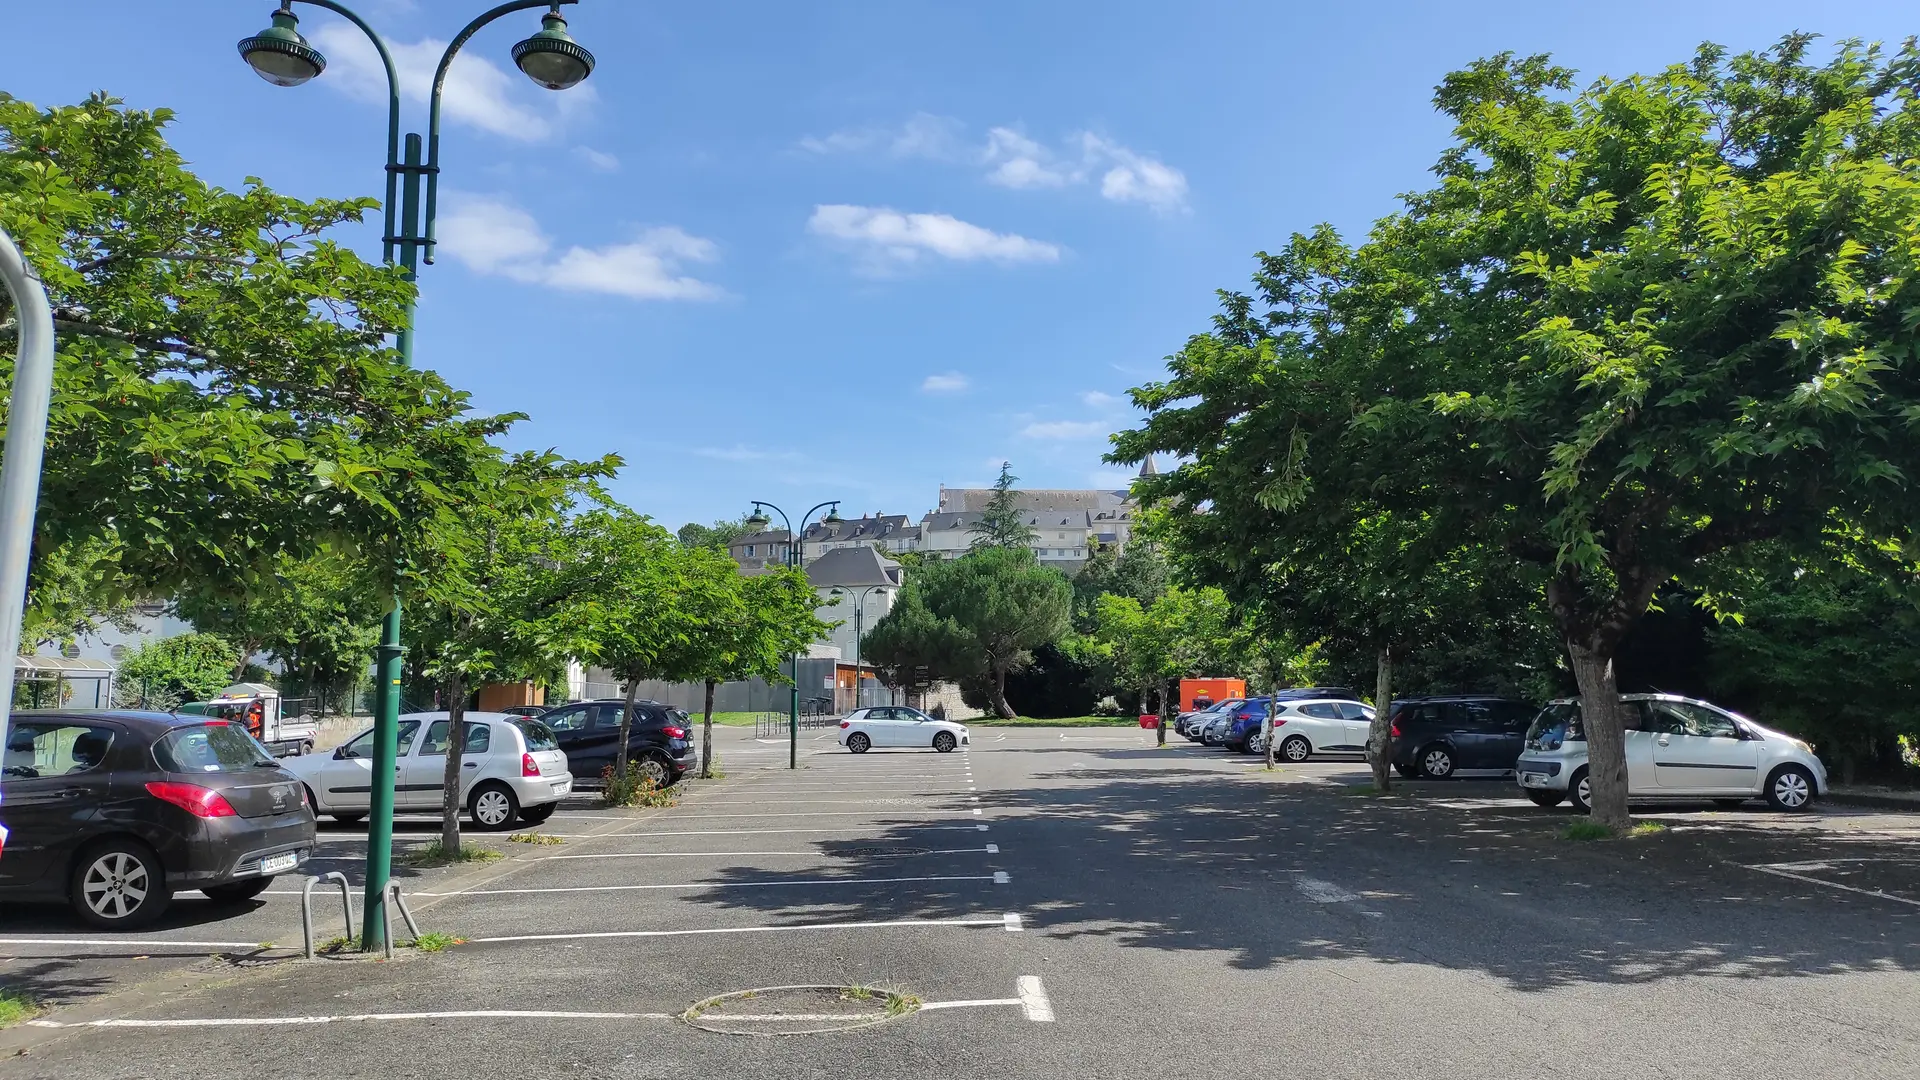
(890, 235)
(1098, 399)
(599, 160)
(494, 236)
(1136, 177)
(1019, 162)
(478, 93)
(742, 452)
(950, 383)
(924, 135)
(1065, 429)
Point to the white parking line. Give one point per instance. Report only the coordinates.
(1013, 922)
(1001, 921)
(990, 849)
(769, 832)
(131, 943)
(1033, 999)
(715, 885)
(1877, 894)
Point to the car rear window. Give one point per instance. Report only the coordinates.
(538, 735)
(205, 748)
(1557, 723)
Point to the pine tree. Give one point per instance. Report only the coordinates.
(1003, 524)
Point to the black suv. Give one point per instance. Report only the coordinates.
(589, 733)
(1444, 737)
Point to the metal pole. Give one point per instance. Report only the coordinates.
(26, 445)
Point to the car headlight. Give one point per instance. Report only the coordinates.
(1804, 745)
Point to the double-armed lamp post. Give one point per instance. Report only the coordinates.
(859, 593)
(796, 559)
(282, 57)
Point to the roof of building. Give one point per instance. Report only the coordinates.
(964, 499)
(865, 527)
(860, 565)
(768, 536)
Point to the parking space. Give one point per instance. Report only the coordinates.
(1048, 903)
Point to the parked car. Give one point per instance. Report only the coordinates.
(659, 745)
(525, 710)
(1677, 748)
(898, 725)
(1444, 737)
(1214, 731)
(1188, 723)
(115, 812)
(512, 769)
(1305, 726)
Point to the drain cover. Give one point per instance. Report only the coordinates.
(798, 1010)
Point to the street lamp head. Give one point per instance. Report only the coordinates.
(551, 57)
(758, 519)
(279, 54)
(833, 515)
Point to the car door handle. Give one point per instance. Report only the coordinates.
(470, 765)
(1661, 741)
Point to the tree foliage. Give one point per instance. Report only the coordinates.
(1003, 524)
(167, 672)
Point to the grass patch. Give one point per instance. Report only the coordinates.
(15, 1006)
(434, 855)
(1587, 830)
(726, 719)
(1063, 721)
(1647, 828)
(536, 838)
(335, 945)
(856, 993)
(1364, 791)
(635, 790)
(435, 942)
(901, 1003)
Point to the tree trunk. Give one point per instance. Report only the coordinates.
(1604, 717)
(626, 728)
(450, 778)
(706, 737)
(1000, 707)
(1379, 735)
(1273, 710)
(1166, 714)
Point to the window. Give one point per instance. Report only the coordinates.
(362, 747)
(749, 551)
(1321, 710)
(479, 738)
(1353, 710)
(1686, 718)
(54, 749)
(538, 735)
(572, 718)
(210, 748)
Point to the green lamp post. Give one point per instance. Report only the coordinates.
(280, 55)
(796, 559)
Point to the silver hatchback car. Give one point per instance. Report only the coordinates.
(1677, 749)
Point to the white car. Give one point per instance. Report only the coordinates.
(512, 768)
(1306, 728)
(1677, 748)
(898, 725)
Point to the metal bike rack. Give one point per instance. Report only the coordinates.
(394, 900)
(306, 905)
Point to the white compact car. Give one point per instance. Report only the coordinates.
(512, 767)
(898, 725)
(1677, 748)
(1309, 727)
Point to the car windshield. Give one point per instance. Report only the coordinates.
(1557, 723)
(217, 747)
(538, 735)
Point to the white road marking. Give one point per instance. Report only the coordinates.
(1000, 877)
(705, 885)
(1323, 892)
(1002, 921)
(131, 943)
(768, 832)
(976, 812)
(844, 813)
(1013, 922)
(993, 849)
(289, 1021)
(1877, 894)
(974, 1004)
(990, 849)
(1033, 999)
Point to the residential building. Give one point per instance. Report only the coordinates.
(894, 532)
(758, 550)
(857, 588)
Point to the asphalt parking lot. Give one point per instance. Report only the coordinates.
(1046, 903)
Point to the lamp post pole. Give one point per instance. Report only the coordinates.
(796, 558)
(859, 629)
(282, 57)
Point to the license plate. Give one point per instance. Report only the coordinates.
(274, 864)
(563, 787)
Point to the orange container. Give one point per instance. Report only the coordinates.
(1217, 690)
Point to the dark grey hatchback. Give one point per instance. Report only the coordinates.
(114, 812)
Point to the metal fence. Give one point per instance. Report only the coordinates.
(770, 725)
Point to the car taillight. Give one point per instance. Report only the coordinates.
(846, 723)
(1393, 729)
(1279, 721)
(528, 766)
(194, 799)
(676, 733)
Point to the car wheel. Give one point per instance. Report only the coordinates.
(654, 769)
(1545, 798)
(348, 819)
(1436, 763)
(535, 815)
(492, 807)
(858, 742)
(1580, 790)
(1790, 789)
(944, 742)
(238, 892)
(119, 884)
(1296, 748)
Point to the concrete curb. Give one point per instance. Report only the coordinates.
(1910, 803)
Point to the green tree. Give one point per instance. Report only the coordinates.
(1634, 330)
(747, 628)
(317, 616)
(717, 535)
(1004, 603)
(169, 671)
(913, 648)
(1003, 524)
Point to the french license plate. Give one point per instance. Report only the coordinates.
(274, 864)
(563, 787)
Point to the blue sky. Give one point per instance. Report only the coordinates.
(803, 251)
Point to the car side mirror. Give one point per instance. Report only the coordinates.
(341, 753)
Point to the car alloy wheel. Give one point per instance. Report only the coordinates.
(493, 807)
(1581, 791)
(858, 742)
(1436, 763)
(653, 770)
(943, 742)
(115, 885)
(1790, 789)
(1296, 748)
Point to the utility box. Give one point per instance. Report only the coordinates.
(1214, 690)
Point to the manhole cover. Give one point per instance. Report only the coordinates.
(799, 1010)
(882, 852)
